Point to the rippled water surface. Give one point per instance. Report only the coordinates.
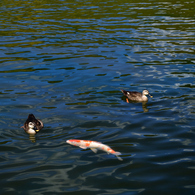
(65, 62)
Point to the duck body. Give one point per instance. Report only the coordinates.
(137, 96)
(32, 125)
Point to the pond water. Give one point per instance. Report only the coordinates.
(66, 62)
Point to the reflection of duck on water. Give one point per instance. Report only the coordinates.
(137, 96)
(32, 126)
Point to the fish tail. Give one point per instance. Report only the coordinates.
(117, 155)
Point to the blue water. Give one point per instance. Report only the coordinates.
(65, 62)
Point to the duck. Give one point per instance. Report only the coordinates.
(32, 125)
(137, 96)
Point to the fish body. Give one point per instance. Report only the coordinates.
(94, 146)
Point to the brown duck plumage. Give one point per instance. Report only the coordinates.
(136, 96)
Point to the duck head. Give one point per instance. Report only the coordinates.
(146, 92)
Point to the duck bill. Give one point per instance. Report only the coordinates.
(150, 95)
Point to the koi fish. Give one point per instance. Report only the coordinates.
(94, 146)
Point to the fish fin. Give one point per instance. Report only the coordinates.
(94, 150)
(117, 155)
(119, 158)
(83, 147)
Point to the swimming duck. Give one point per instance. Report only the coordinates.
(137, 96)
(32, 125)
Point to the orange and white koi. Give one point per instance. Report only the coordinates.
(94, 146)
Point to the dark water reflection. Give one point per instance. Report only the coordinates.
(65, 62)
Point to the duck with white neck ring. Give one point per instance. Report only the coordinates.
(32, 125)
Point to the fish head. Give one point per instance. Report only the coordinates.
(68, 141)
(74, 142)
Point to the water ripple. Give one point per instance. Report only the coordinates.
(66, 62)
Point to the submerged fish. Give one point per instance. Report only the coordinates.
(94, 146)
